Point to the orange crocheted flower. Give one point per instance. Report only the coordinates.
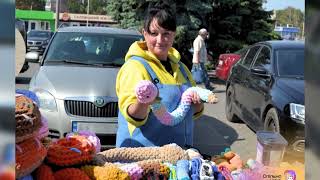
(70, 174)
(71, 151)
(29, 155)
(44, 172)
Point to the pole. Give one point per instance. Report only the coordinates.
(88, 6)
(57, 15)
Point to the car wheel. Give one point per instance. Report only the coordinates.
(271, 122)
(228, 108)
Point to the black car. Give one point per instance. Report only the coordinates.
(38, 40)
(266, 90)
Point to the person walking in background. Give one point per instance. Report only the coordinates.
(200, 55)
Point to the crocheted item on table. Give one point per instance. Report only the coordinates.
(133, 169)
(183, 170)
(167, 153)
(154, 170)
(28, 118)
(92, 137)
(195, 168)
(70, 174)
(146, 92)
(44, 129)
(29, 155)
(46, 141)
(44, 172)
(70, 151)
(173, 170)
(28, 94)
(110, 172)
(206, 170)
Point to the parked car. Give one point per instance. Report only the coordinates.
(76, 80)
(266, 90)
(38, 40)
(226, 61)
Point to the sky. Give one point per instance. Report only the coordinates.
(282, 4)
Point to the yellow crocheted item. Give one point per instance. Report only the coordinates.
(110, 172)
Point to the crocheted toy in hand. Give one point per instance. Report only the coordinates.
(146, 92)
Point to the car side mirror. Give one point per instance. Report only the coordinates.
(260, 71)
(32, 57)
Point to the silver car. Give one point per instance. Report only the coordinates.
(76, 80)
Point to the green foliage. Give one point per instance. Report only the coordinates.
(291, 16)
(80, 6)
(31, 4)
(232, 24)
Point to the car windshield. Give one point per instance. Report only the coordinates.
(42, 34)
(290, 62)
(89, 48)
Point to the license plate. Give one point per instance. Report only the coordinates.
(34, 48)
(220, 62)
(96, 127)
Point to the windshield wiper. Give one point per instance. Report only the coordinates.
(69, 61)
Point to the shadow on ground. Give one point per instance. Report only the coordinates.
(214, 137)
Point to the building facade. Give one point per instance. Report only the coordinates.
(287, 32)
(36, 20)
(45, 20)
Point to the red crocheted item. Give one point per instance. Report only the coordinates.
(70, 174)
(71, 151)
(44, 172)
(29, 155)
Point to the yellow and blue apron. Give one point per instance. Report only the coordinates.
(153, 133)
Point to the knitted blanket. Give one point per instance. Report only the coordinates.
(146, 92)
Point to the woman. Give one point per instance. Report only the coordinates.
(156, 60)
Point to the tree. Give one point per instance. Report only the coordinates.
(80, 6)
(31, 4)
(191, 16)
(232, 23)
(290, 16)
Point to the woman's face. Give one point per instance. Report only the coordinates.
(159, 40)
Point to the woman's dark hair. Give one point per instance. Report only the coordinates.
(164, 15)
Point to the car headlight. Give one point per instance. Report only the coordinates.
(297, 113)
(47, 101)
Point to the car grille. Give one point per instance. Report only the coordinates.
(88, 109)
(34, 42)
